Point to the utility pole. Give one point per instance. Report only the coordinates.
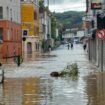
(101, 55)
(48, 4)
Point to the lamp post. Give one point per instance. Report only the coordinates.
(48, 4)
(23, 40)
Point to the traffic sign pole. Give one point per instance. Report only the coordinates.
(101, 55)
(101, 35)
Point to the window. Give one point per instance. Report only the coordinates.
(44, 28)
(1, 12)
(7, 13)
(1, 34)
(35, 15)
(11, 13)
(37, 30)
(10, 33)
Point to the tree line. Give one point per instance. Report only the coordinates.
(70, 19)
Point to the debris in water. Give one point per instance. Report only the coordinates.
(70, 70)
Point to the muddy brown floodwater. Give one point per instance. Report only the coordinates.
(31, 83)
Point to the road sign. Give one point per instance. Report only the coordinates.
(100, 34)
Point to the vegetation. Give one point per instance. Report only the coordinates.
(70, 19)
(53, 27)
(42, 7)
(70, 70)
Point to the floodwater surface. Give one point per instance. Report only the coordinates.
(31, 84)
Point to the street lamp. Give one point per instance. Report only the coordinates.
(48, 4)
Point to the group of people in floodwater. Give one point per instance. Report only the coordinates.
(70, 45)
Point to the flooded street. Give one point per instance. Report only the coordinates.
(31, 84)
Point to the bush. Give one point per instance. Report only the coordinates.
(70, 70)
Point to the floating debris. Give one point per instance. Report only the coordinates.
(70, 70)
(55, 74)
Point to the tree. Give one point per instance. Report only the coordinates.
(41, 6)
(70, 18)
(53, 27)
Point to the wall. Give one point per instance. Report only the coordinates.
(11, 39)
(29, 22)
(11, 10)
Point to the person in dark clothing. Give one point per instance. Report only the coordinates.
(49, 48)
(84, 46)
(68, 46)
(18, 60)
(71, 45)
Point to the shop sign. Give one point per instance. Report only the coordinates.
(96, 4)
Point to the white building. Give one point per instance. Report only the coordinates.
(45, 25)
(48, 24)
(68, 35)
(80, 34)
(11, 10)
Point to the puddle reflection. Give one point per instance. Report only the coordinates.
(39, 91)
(29, 91)
(96, 89)
(1, 95)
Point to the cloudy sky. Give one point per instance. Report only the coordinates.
(66, 5)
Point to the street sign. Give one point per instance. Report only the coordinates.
(96, 4)
(100, 34)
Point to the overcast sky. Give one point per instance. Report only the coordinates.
(66, 5)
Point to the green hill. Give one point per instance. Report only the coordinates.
(70, 19)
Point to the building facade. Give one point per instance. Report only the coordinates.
(96, 46)
(45, 29)
(30, 26)
(10, 30)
